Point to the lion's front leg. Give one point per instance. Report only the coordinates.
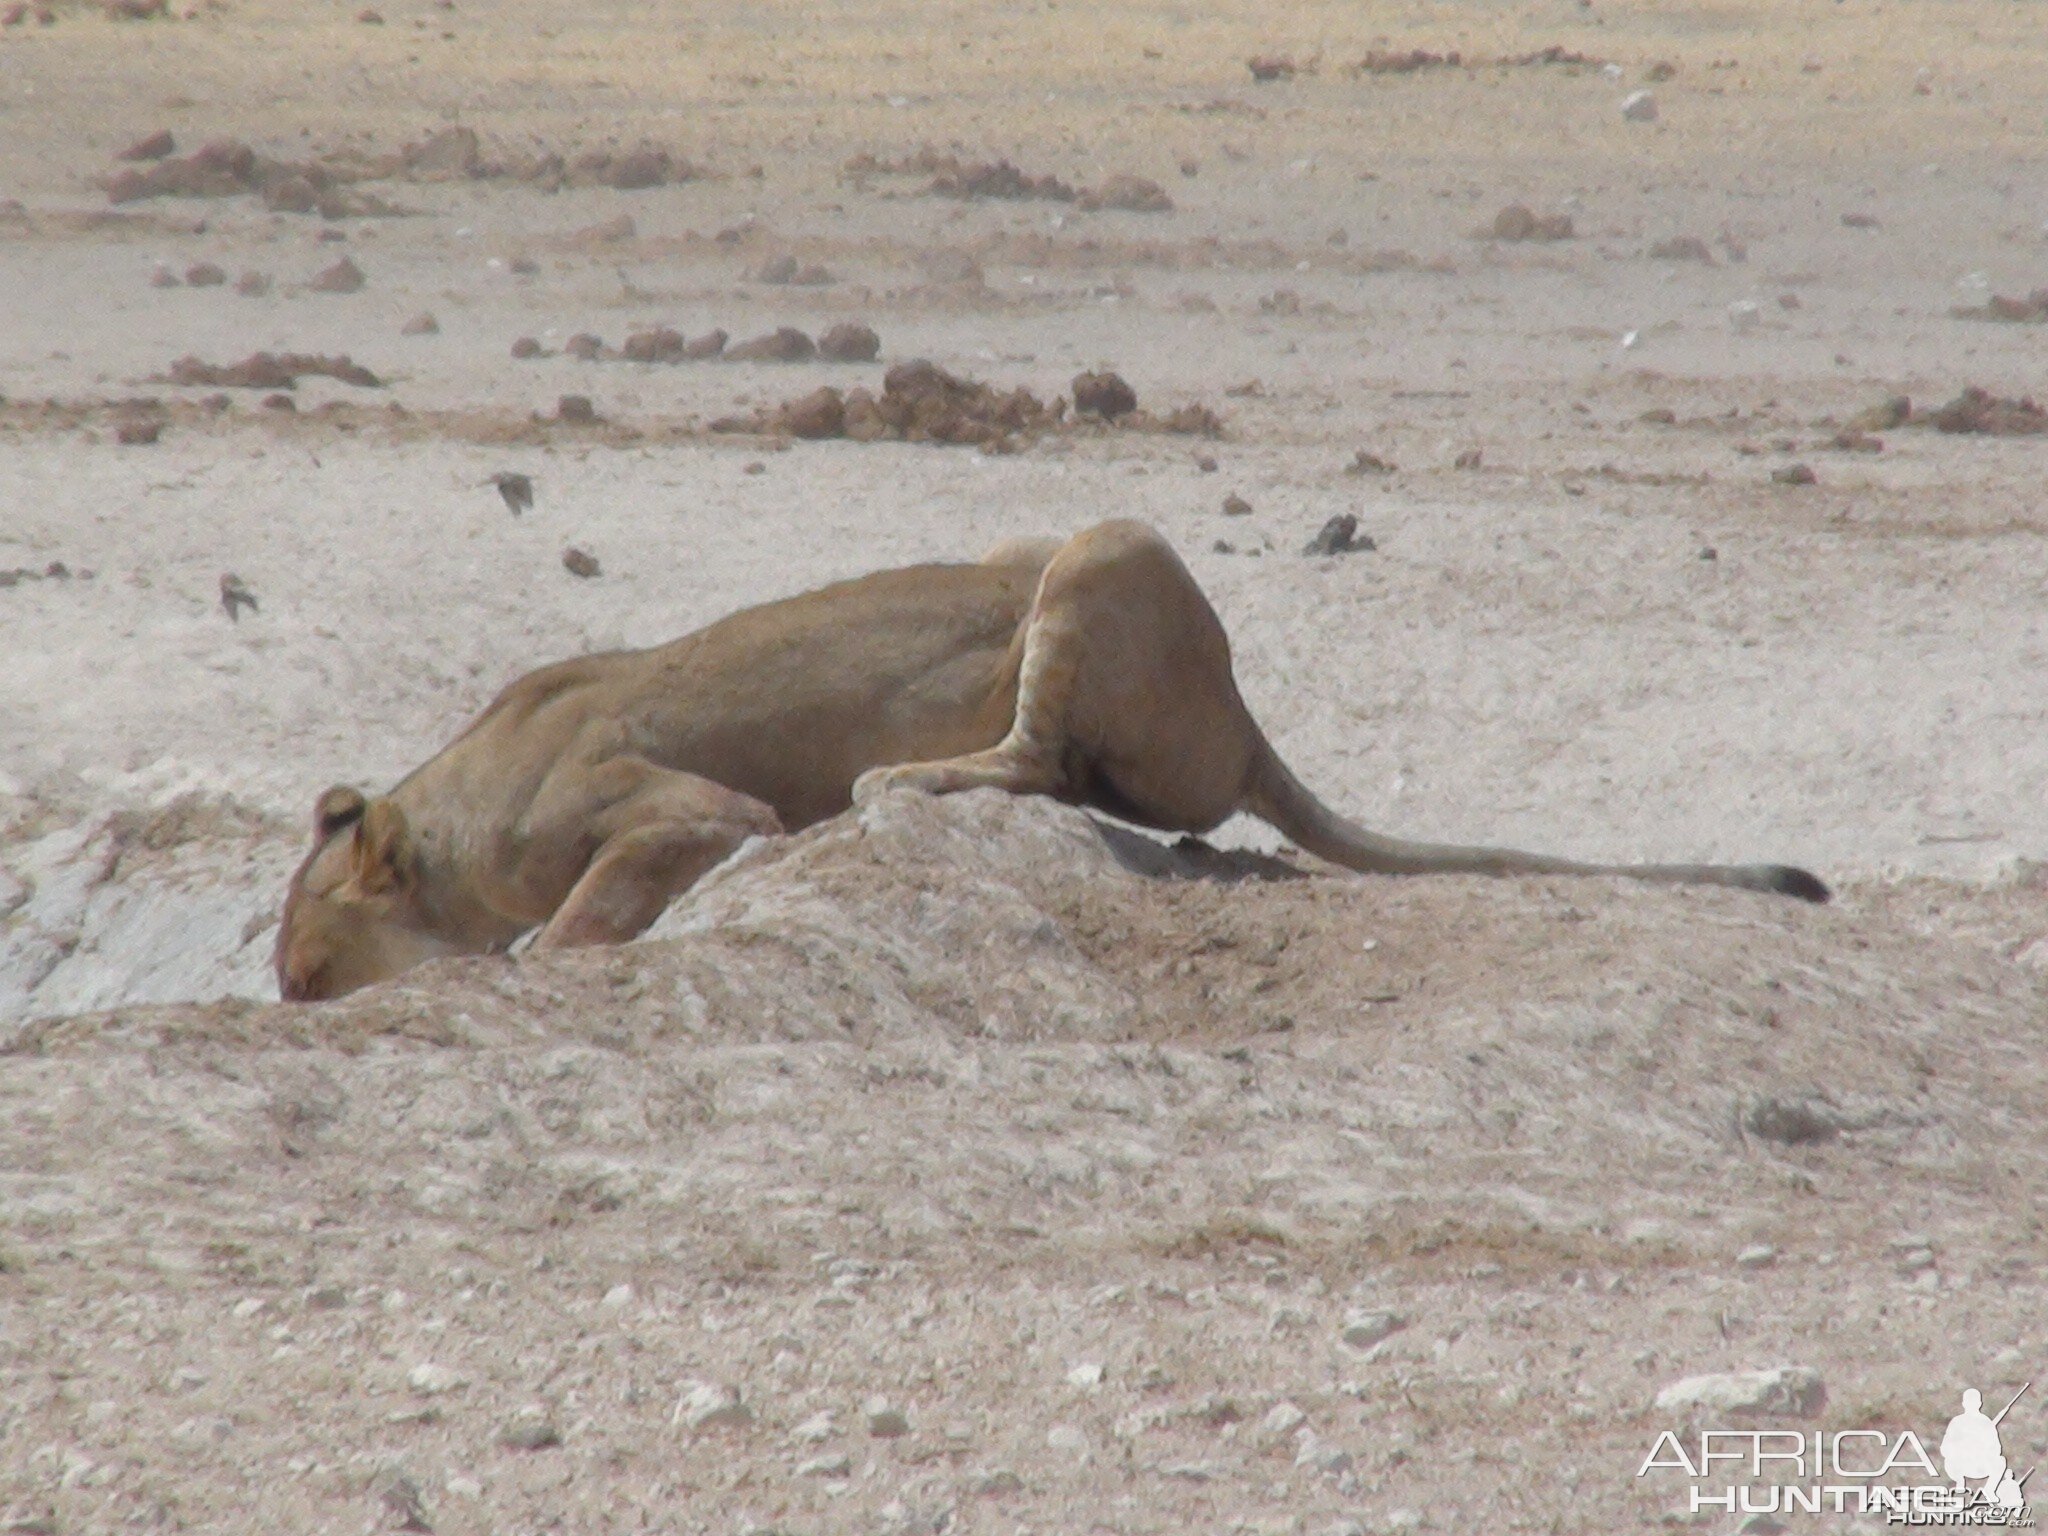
(657, 844)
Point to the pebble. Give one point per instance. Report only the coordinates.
(1064, 1437)
(1235, 505)
(884, 1422)
(1639, 107)
(1087, 1374)
(1281, 1420)
(1405, 1520)
(530, 1432)
(431, 1380)
(838, 1464)
(818, 1427)
(618, 1295)
(705, 1405)
(1795, 474)
(1759, 1255)
(1784, 1389)
(996, 1482)
(1362, 1330)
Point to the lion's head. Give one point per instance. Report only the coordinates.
(353, 914)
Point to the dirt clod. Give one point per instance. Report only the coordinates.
(575, 410)
(1683, 248)
(270, 370)
(1130, 194)
(1365, 462)
(1977, 410)
(421, 324)
(343, 277)
(156, 146)
(580, 563)
(849, 342)
(1104, 395)
(1235, 505)
(1518, 222)
(785, 344)
(1266, 67)
(1795, 474)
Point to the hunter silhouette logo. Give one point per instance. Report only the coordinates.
(1855, 1471)
(1971, 1451)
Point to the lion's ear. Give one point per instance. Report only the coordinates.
(383, 858)
(337, 808)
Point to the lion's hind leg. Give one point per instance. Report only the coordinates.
(1124, 695)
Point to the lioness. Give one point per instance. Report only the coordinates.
(592, 792)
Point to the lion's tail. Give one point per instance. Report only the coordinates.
(1276, 796)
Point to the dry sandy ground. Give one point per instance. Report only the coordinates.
(1082, 1157)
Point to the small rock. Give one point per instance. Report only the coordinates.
(253, 284)
(883, 1421)
(204, 274)
(1103, 394)
(1893, 412)
(431, 1380)
(1339, 536)
(1683, 248)
(1758, 1255)
(1281, 1420)
(421, 324)
(343, 277)
(580, 563)
(1087, 1374)
(400, 1496)
(1859, 221)
(1793, 1390)
(834, 1464)
(996, 1483)
(163, 277)
(575, 411)
(138, 434)
(1365, 463)
(1795, 474)
(1639, 107)
(619, 1294)
(1065, 1437)
(1235, 505)
(849, 343)
(1206, 464)
(1270, 67)
(584, 347)
(1362, 1330)
(783, 345)
(820, 414)
(158, 146)
(526, 347)
(817, 1428)
(530, 1434)
(705, 1405)
(1471, 458)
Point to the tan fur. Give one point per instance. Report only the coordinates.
(592, 792)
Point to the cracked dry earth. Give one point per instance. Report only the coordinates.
(976, 1165)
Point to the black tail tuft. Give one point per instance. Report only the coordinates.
(1788, 881)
